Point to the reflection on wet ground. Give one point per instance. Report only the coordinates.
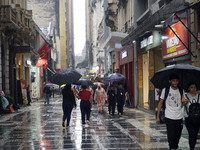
(39, 127)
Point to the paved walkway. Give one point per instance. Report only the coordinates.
(40, 127)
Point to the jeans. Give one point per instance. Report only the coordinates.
(47, 98)
(174, 130)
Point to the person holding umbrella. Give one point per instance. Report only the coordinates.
(111, 99)
(68, 103)
(173, 111)
(120, 98)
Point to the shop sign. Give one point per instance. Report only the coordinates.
(147, 41)
(172, 46)
(124, 54)
(198, 44)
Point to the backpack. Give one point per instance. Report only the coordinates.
(162, 111)
(194, 111)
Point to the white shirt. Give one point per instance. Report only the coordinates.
(192, 99)
(173, 104)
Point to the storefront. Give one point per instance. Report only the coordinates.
(149, 61)
(126, 64)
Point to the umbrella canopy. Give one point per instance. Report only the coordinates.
(186, 73)
(65, 76)
(84, 82)
(48, 85)
(114, 77)
(97, 83)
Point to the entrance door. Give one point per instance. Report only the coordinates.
(145, 79)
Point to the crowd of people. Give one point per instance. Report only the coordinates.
(113, 95)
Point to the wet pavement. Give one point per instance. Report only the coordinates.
(39, 127)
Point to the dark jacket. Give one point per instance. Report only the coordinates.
(68, 96)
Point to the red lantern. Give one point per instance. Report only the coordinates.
(41, 62)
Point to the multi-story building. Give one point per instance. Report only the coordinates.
(70, 35)
(154, 21)
(94, 17)
(19, 46)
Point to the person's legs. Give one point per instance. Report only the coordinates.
(64, 113)
(47, 98)
(179, 128)
(87, 107)
(192, 132)
(173, 132)
(109, 106)
(82, 107)
(113, 108)
(69, 111)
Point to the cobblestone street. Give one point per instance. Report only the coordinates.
(39, 126)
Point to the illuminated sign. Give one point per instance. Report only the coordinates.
(147, 41)
(124, 54)
(171, 46)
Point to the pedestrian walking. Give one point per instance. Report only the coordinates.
(171, 98)
(100, 96)
(120, 98)
(85, 105)
(111, 97)
(47, 92)
(192, 127)
(67, 104)
(28, 95)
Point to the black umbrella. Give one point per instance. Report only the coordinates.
(186, 73)
(65, 76)
(84, 82)
(114, 77)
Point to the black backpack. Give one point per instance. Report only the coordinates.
(194, 111)
(162, 111)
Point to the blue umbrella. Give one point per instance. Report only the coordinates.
(48, 85)
(114, 77)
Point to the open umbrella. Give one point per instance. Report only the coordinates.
(48, 85)
(97, 83)
(65, 76)
(84, 82)
(186, 73)
(114, 77)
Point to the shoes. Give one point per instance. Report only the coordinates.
(63, 124)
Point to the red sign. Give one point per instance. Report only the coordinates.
(44, 51)
(171, 45)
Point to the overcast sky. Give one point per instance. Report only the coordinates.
(79, 26)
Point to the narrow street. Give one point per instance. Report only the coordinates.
(39, 126)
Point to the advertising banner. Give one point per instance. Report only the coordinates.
(171, 45)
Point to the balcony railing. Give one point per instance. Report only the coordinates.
(8, 16)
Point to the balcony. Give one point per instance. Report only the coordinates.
(8, 18)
